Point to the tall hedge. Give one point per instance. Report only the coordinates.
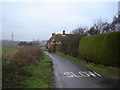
(101, 49)
(70, 44)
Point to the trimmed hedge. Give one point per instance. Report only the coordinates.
(101, 49)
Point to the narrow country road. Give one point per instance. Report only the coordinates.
(67, 74)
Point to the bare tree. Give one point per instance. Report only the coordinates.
(80, 30)
(97, 27)
(98, 24)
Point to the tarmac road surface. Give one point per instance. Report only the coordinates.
(68, 74)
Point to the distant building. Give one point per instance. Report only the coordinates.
(117, 27)
(55, 40)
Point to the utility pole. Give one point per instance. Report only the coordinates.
(12, 36)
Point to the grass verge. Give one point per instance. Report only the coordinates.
(105, 70)
(41, 74)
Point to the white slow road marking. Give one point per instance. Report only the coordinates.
(69, 74)
(82, 74)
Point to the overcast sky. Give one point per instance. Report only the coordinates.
(38, 20)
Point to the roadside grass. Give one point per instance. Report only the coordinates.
(41, 74)
(17, 73)
(105, 70)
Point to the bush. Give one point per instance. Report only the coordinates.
(14, 63)
(29, 55)
(102, 49)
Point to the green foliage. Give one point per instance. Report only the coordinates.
(101, 49)
(8, 50)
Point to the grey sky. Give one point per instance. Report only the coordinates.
(29, 21)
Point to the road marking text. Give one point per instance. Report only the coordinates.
(82, 74)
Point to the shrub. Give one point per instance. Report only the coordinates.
(29, 55)
(103, 49)
(14, 63)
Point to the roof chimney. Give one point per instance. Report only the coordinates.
(63, 31)
(53, 34)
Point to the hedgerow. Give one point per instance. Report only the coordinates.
(101, 49)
